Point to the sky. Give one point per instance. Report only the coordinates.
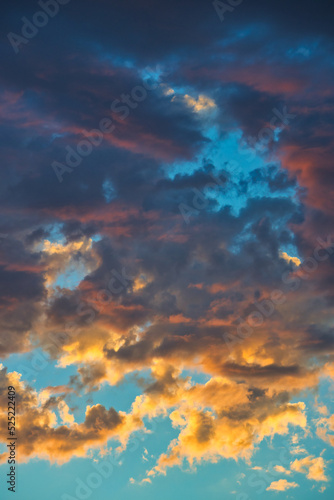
(167, 249)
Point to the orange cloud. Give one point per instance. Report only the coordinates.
(281, 485)
(314, 468)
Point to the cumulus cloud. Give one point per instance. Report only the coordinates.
(41, 435)
(281, 485)
(313, 467)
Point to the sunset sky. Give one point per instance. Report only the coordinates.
(167, 249)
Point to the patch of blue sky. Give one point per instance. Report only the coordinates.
(291, 250)
(56, 234)
(56, 135)
(261, 473)
(240, 239)
(211, 480)
(76, 271)
(154, 73)
(303, 51)
(324, 396)
(96, 237)
(145, 325)
(309, 441)
(232, 195)
(122, 395)
(114, 59)
(255, 31)
(65, 478)
(38, 369)
(196, 376)
(72, 277)
(108, 189)
(211, 153)
(261, 189)
(215, 481)
(224, 153)
(247, 235)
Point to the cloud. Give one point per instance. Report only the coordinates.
(65, 414)
(313, 467)
(325, 429)
(281, 485)
(282, 470)
(41, 436)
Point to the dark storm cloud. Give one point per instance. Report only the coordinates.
(20, 285)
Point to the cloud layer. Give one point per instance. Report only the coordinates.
(166, 207)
